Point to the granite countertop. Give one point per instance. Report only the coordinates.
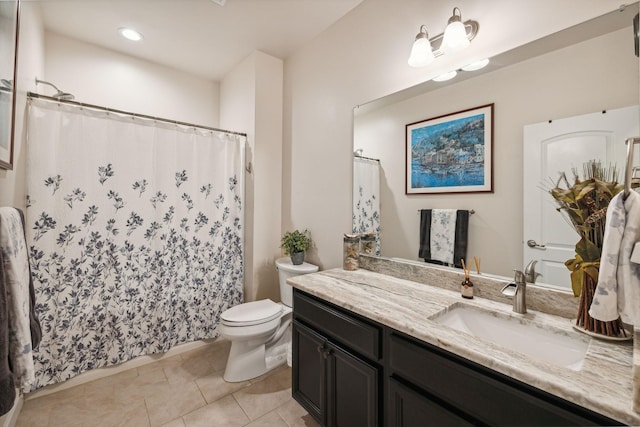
(604, 384)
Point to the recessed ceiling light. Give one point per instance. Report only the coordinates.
(446, 76)
(476, 65)
(220, 2)
(130, 34)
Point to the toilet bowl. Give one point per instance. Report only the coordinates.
(259, 330)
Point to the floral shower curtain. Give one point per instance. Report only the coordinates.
(366, 198)
(135, 235)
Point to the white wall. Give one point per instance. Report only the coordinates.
(363, 57)
(30, 63)
(104, 77)
(251, 99)
(566, 83)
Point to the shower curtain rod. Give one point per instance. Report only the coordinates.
(128, 113)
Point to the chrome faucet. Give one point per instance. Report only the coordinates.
(517, 290)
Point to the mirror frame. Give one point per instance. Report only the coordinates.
(6, 154)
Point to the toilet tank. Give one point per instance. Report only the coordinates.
(286, 269)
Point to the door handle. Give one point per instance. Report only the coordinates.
(534, 244)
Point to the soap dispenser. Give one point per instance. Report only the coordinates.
(466, 288)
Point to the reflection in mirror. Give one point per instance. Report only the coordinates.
(585, 69)
(8, 43)
(558, 147)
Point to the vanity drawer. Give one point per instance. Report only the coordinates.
(344, 327)
(483, 394)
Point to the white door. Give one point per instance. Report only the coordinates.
(558, 146)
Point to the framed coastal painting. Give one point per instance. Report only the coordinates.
(452, 153)
(9, 20)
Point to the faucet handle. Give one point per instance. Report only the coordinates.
(519, 277)
(530, 273)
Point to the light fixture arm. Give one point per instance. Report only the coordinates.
(422, 33)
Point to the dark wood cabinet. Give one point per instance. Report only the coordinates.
(408, 407)
(476, 393)
(353, 390)
(337, 385)
(349, 371)
(309, 373)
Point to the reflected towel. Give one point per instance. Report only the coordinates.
(443, 235)
(618, 290)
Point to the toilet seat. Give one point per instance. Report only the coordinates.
(251, 313)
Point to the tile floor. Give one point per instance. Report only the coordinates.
(183, 390)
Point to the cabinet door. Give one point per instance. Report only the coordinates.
(308, 376)
(485, 395)
(408, 408)
(353, 395)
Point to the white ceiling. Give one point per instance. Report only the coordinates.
(200, 37)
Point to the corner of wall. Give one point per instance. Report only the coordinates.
(251, 101)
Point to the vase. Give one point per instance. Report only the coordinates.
(297, 258)
(585, 321)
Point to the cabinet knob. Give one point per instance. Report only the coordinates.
(326, 354)
(320, 348)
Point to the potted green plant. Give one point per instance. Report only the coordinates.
(295, 243)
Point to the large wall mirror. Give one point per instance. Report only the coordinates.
(586, 69)
(8, 53)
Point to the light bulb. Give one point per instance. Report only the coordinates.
(446, 76)
(476, 65)
(130, 34)
(455, 35)
(421, 53)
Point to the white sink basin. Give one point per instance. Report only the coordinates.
(548, 344)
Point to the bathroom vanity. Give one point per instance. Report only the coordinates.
(370, 350)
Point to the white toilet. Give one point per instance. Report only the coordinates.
(259, 330)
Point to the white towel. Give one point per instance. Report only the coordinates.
(443, 234)
(16, 267)
(618, 290)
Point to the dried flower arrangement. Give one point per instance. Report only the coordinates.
(585, 204)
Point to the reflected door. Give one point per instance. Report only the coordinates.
(551, 148)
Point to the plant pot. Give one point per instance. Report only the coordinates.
(297, 258)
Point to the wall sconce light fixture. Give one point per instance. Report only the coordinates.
(457, 35)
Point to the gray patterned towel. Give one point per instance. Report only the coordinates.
(618, 290)
(17, 283)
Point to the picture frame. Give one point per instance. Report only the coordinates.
(451, 153)
(9, 30)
